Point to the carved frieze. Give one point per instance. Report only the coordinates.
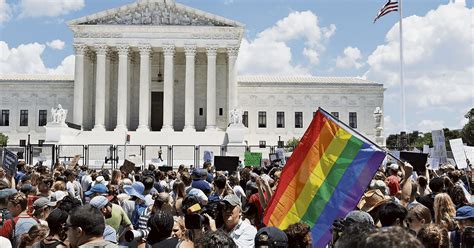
(157, 13)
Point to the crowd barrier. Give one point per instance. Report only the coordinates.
(110, 156)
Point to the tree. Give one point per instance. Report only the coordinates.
(3, 139)
(292, 144)
(468, 129)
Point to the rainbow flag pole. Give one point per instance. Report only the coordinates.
(324, 178)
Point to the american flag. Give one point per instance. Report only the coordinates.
(391, 5)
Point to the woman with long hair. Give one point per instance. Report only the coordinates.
(116, 177)
(444, 211)
(178, 194)
(418, 217)
(35, 234)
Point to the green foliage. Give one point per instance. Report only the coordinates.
(292, 144)
(468, 130)
(3, 139)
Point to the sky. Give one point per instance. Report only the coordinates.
(299, 37)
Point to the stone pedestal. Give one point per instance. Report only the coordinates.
(60, 133)
(236, 134)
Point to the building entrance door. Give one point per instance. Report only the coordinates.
(156, 111)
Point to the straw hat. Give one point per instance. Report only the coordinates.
(372, 199)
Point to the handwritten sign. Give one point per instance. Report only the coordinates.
(253, 159)
(10, 160)
(458, 153)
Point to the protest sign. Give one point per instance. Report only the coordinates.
(10, 160)
(439, 146)
(226, 163)
(253, 159)
(128, 166)
(426, 149)
(416, 159)
(434, 163)
(208, 156)
(457, 147)
(469, 153)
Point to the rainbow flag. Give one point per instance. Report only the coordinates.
(324, 179)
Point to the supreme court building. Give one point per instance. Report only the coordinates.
(165, 73)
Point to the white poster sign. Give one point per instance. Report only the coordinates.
(434, 163)
(458, 153)
(439, 147)
(469, 153)
(426, 149)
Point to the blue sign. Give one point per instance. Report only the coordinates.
(10, 161)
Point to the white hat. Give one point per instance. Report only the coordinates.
(393, 166)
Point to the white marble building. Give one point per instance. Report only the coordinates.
(165, 74)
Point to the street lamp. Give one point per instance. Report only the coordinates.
(28, 148)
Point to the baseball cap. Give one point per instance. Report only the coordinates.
(465, 212)
(5, 193)
(271, 237)
(361, 217)
(199, 173)
(97, 188)
(42, 202)
(99, 202)
(393, 166)
(233, 200)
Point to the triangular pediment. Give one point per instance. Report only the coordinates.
(157, 13)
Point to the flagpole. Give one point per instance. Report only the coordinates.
(402, 85)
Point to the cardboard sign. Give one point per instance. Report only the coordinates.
(458, 153)
(224, 163)
(426, 149)
(253, 159)
(208, 156)
(10, 161)
(416, 159)
(74, 161)
(439, 146)
(128, 166)
(469, 153)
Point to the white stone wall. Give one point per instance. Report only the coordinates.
(306, 98)
(32, 96)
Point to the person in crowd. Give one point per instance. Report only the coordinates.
(423, 188)
(96, 190)
(148, 182)
(105, 208)
(465, 220)
(239, 230)
(3, 176)
(136, 205)
(191, 191)
(72, 185)
(116, 177)
(418, 217)
(179, 228)
(42, 207)
(433, 235)
(178, 195)
(85, 228)
(271, 237)
(220, 186)
(217, 238)
(371, 202)
(394, 236)
(444, 211)
(437, 186)
(21, 221)
(208, 167)
(393, 181)
(161, 229)
(21, 171)
(392, 214)
(36, 233)
(4, 212)
(57, 236)
(199, 177)
(299, 235)
(353, 235)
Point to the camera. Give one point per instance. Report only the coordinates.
(131, 235)
(197, 220)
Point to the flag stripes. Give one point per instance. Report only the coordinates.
(390, 6)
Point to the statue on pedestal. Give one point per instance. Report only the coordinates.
(235, 116)
(59, 115)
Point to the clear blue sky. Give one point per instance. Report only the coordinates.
(342, 42)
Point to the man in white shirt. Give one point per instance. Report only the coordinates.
(242, 232)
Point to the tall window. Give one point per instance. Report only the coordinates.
(280, 119)
(245, 118)
(353, 119)
(43, 116)
(262, 119)
(23, 118)
(298, 119)
(335, 114)
(5, 118)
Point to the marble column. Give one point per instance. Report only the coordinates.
(78, 108)
(144, 103)
(122, 87)
(211, 88)
(101, 53)
(168, 89)
(232, 53)
(190, 52)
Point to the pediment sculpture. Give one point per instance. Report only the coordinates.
(155, 13)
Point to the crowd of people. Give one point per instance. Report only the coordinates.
(74, 206)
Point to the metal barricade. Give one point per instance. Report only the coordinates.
(183, 154)
(159, 155)
(238, 151)
(67, 152)
(98, 154)
(133, 153)
(43, 154)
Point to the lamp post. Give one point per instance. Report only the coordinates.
(28, 149)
